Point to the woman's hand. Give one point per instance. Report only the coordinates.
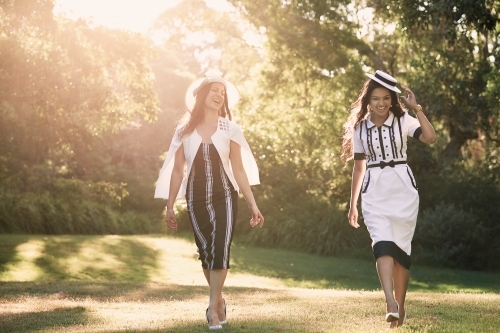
(353, 217)
(170, 219)
(257, 218)
(411, 100)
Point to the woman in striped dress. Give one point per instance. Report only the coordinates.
(376, 138)
(208, 162)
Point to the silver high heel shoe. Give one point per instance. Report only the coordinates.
(392, 316)
(212, 328)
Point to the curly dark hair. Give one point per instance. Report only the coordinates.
(192, 118)
(359, 111)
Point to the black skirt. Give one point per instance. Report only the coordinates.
(213, 206)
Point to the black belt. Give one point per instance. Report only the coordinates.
(383, 164)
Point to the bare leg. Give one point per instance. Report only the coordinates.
(385, 269)
(401, 279)
(215, 279)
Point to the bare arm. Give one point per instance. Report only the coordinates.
(175, 185)
(428, 134)
(358, 173)
(242, 180)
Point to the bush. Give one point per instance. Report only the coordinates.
(68, 206)
(452, 237)
(302, 223)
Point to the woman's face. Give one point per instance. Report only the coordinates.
(216, 96)
(380, 102)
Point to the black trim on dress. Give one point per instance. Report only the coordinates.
(400, 136)
(369, 141)
(413, 183)
(367, 183)
(359, 156)
(389, 248)
(417, 133)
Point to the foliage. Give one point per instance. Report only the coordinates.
(462, 230)
(452, 47)
(87, 113)
(55, 205)
(66, 91)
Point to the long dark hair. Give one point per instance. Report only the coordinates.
(359, 111)
(191, 119)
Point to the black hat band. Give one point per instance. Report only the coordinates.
(389, 82)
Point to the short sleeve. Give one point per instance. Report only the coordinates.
(413, 126)
(358, 149)
(249, 163)
(163, 182)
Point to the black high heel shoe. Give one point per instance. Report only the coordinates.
(222, 322)
(212, 328)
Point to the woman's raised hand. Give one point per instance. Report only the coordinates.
(411, 100)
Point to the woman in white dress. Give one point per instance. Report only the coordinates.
(375, 137)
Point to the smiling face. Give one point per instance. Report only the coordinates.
(216, 96)
(380, 102)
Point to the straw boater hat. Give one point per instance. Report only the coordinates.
(386, 80)
(232, 93)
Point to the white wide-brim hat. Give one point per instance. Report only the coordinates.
(386, 80)
(232, 93)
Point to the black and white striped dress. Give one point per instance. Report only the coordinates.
(212, 204)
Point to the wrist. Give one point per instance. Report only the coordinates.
(252, 206)
(417, 109)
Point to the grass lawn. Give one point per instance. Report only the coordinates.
(153, 283)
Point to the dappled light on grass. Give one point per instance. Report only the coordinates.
(79, 258)
(136, 307)
(154, 284)
(172, 259)
(23, 267)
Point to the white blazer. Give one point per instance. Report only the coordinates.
(226, 132)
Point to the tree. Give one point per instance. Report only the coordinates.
(63, 87)
(453, 46)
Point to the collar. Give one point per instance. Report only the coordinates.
(388, 122)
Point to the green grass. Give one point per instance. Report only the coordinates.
(153, 283)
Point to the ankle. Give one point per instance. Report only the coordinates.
(392, 306)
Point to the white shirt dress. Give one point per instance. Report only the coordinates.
(389, 195)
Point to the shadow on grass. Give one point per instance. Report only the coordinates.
(309, 271)
(8, 254)
(83, 257)
(305, 270)
(291, 310)
(289, 326)
(42, 320)
(114, 291)
(110, 258)
(124, 259)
